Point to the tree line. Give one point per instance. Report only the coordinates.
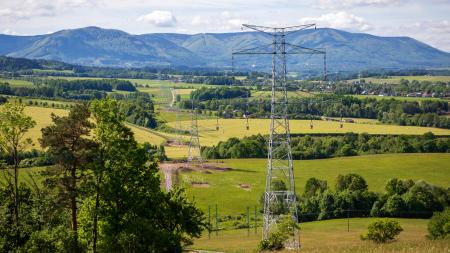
(102, 195)
(69, 89)
(204, 94)
(427, 113)
(351, 198)
(318, 147)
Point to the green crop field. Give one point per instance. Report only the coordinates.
(396, 79)
(376, 169)
(16, 82)
(52, 71)
(331, 236)
(236, 128)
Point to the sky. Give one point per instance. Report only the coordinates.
(424, 20)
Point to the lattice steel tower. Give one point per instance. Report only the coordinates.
(279, 198)
(194, 153)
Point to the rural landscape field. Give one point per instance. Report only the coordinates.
(224, 126)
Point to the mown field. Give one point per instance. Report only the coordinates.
(229, 128)
(236, 128)
(376, 169)
(42, 116)
(16, 82)
(332, 236)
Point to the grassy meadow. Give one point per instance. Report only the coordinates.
(376, 169)
(236, 128)
(16, 82)
(42, 116)
(331, 236)
(228, 128)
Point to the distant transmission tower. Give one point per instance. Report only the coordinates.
(279, 164)
(178, 128)
(194, 153)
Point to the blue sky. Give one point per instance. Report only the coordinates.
(427, 21)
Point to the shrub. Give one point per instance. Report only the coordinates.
(439, 225)
(275, 241)
(285, 229)
(382, 231)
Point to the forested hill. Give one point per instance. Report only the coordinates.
(106, 47)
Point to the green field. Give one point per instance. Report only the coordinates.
(228, 128)
(16, 82)
(42, 117)
(52, 71)
(396, 79)
(332, 236)
(376, 169)
(236, 128)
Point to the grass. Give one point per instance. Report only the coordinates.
(171, 116)
(236, 128)
(16, 82)
(396, 79)
(332, 236)
(52, 71)
(42, 117)
(376, 169)
(26, 100)
(228, 128)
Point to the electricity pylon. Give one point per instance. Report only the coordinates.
(279, 201)
(194, 153)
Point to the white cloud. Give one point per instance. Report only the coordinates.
(339, 4)
(9, 32)
(159, 18)
(340, 20)
(18, 10)
(200, 21)
(225, 21)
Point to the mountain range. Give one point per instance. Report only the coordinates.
(94, 46)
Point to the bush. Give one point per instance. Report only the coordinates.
(285, 230)
(275, 241)
(439, 225)
(382, 231)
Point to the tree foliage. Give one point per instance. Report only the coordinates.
(439, 225)
(317, 147)
(68, 142)
(382, 231)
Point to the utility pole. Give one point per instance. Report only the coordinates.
(279, 160)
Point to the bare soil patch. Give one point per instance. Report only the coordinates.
(245, 187)
(170, 170)
(200, 184)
